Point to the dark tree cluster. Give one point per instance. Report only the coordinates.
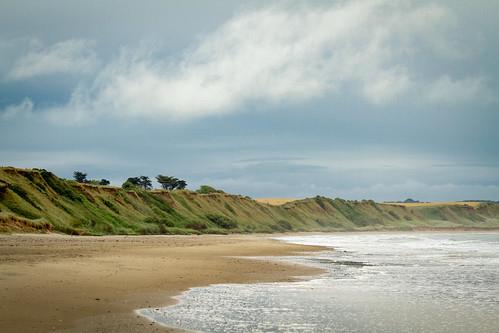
(104, 182)
(81, 177)
(171, 183)
(142, 182)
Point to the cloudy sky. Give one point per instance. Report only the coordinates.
(354, 99)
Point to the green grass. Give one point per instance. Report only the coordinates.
(222, 221)
(67, 207)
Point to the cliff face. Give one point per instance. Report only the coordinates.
(37, 200)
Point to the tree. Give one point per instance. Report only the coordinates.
(171, 183)
(137, 182)
(104, 182)
(145, 182)
(165, 181)
(181, 184)
(131, 183)
(80, 177)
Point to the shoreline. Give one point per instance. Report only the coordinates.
(61, 283)
(366, 231)
(68, 284)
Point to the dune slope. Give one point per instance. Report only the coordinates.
(34, 200)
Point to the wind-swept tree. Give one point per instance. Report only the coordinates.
(104, 182)
(165, 181)
(181, 184)
(145, 182)
(80, 177)
(171, 183)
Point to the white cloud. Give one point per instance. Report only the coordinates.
(280, 54)
(25, 108)
(71, 56)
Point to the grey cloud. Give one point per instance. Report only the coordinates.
(23, 109)
(401, 106)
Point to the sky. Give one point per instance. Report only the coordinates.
(381, 99)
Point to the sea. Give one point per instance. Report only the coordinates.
(373, 282)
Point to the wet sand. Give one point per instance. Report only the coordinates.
(94, 284)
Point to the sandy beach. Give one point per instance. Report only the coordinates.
(94, 284)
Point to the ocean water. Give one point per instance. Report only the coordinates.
(374, 282)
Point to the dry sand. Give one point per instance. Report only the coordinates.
(93, 284)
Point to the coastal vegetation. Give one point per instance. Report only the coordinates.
(206, 189)
(171, 183)
(81, 177)
(36, 200)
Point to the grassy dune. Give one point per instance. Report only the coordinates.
(38, 201)
(439, 203)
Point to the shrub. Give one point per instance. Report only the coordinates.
(60, 187)
(19, 191)
(285, 225)
(160, 221)
(281, 226)
(23, 194)
(129, 185)
(394, 215)
(320, 201)
(156, 201)
(61, 206)
(111, 206)
(23, 212)
(196, 225)
(3, 187)
(206, 189)
(149, 229)
(216, 231)
(229, 208)
(320, 222)
(68, 230)
(222, 221)
(178, 231)
(28, 175)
